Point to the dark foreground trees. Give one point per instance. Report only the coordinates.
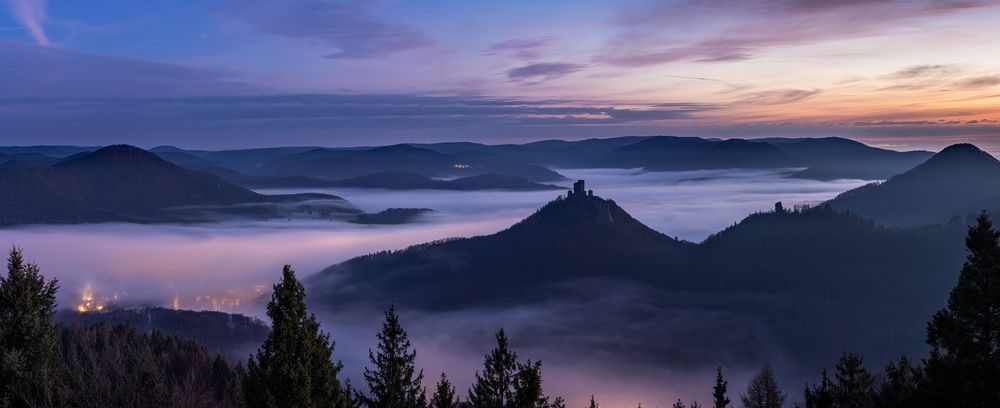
(506, 383)
(719, 391)
(964, 365)
(393, 381)
(763, 391)
(444, 394)
(27, 333)
(44, 365)
(294, 366)
(963, 369)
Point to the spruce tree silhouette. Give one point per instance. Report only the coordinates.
(763, 390)
(964, 366)
(719, 398)
(27, 332)
(293, 368)
(444, 394)
(494, 386)
(394, 382)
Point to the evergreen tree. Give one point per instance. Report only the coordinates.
(964, 366)
(444, 394)
(352, 396)
(899, 386)
(719, 391)
(27, 332)
(394, 381)
(822, 395)
(593, 404)
(494, 387)
(763, 390)
(293, 368)
(855, 386)
(528, 386)
(679, 404)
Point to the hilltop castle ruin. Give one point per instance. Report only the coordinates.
(579, 190)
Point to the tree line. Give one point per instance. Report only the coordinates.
(43, 364)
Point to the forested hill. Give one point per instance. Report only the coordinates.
(121, 183)
(960, 181)
(231, 335)
(570, 237)
(816, 282)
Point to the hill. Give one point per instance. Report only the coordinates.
(834, 157)
(125, 183)
(389, 180)
(409, 181)
(809, 283)
(732, 154)
(576, 237)
(231, 335)
(818, 158)
(959, 181)
(342, 164)
(821, 158)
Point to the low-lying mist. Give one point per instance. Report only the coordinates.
(626, 344)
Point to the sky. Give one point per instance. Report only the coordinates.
(901, 74)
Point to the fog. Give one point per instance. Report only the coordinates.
(636, 353)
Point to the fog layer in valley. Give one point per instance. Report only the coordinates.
(634, 348)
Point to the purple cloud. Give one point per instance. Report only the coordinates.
(523, 48)
(46, 71)
(355, 29)
(542, 71)
(725, 30)
(778, 96)
(312, 118)
(32, 15)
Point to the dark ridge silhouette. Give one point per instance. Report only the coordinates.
(833, 157)
(389, 180)
(739, 153)
(25, 159)
(570, 237)
(410, 181)
(822, 158)
(798, 279)
(655, 151)
(391, 216)
(125, 183)
(957, 182)
(231, 335)
(341, 164)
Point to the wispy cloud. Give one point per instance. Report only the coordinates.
(543, 71)
(985, 81)
(523, 48)
(778, 96)
(32, 14)
(356, 29)
(725, 30)
(53, 72)
(922, 71)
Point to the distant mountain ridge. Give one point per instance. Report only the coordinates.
(820, 158)
(959, 181)
(125, 183)
(389, 180)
